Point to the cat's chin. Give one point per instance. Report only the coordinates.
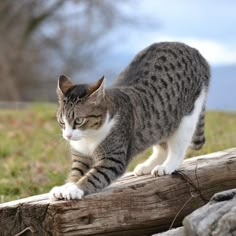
(73, 139)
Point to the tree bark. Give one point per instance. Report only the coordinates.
(130, 206)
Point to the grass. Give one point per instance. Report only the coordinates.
(34, 157)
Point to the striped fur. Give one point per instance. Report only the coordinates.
(198, 139)
(156, 101)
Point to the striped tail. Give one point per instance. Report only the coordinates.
(198, 139)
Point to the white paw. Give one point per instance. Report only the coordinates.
(67, 191)
(56, 193)
(72, 192)
(142, 169)
(160, 170)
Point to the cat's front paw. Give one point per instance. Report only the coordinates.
(161, 170)
(56, 193)
(142, 169)
(72, 192)
(67, 191)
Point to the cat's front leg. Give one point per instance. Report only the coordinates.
(99, 177)
(80, 166)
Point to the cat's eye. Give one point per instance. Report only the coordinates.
(79, 120)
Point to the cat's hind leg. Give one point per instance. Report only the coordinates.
(180, 140)
(159, 154)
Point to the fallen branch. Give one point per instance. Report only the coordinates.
(130, 206)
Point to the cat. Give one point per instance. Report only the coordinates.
(158, 101)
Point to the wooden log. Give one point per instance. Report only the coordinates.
(130, 206)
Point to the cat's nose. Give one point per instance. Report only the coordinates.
(69, 136)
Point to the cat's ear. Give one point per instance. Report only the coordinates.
(97, 91)
(64, 83)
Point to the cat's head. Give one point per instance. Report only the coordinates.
(81, 109)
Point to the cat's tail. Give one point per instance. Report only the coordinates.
(198, 139)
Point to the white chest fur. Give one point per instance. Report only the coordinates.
(93, 138)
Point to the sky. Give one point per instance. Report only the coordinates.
(208, 25)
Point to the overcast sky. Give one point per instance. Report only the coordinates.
(209, 25)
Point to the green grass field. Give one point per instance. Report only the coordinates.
(34, 157)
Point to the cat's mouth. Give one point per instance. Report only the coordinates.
(73, 138)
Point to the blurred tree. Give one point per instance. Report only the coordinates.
(42, 39)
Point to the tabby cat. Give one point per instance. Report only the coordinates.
(158, 101)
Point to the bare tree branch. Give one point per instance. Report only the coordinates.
(42, 39)
(36, 21)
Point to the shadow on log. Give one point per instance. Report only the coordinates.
(130, 206)
(217, 217)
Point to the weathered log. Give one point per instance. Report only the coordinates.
(130, 206)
